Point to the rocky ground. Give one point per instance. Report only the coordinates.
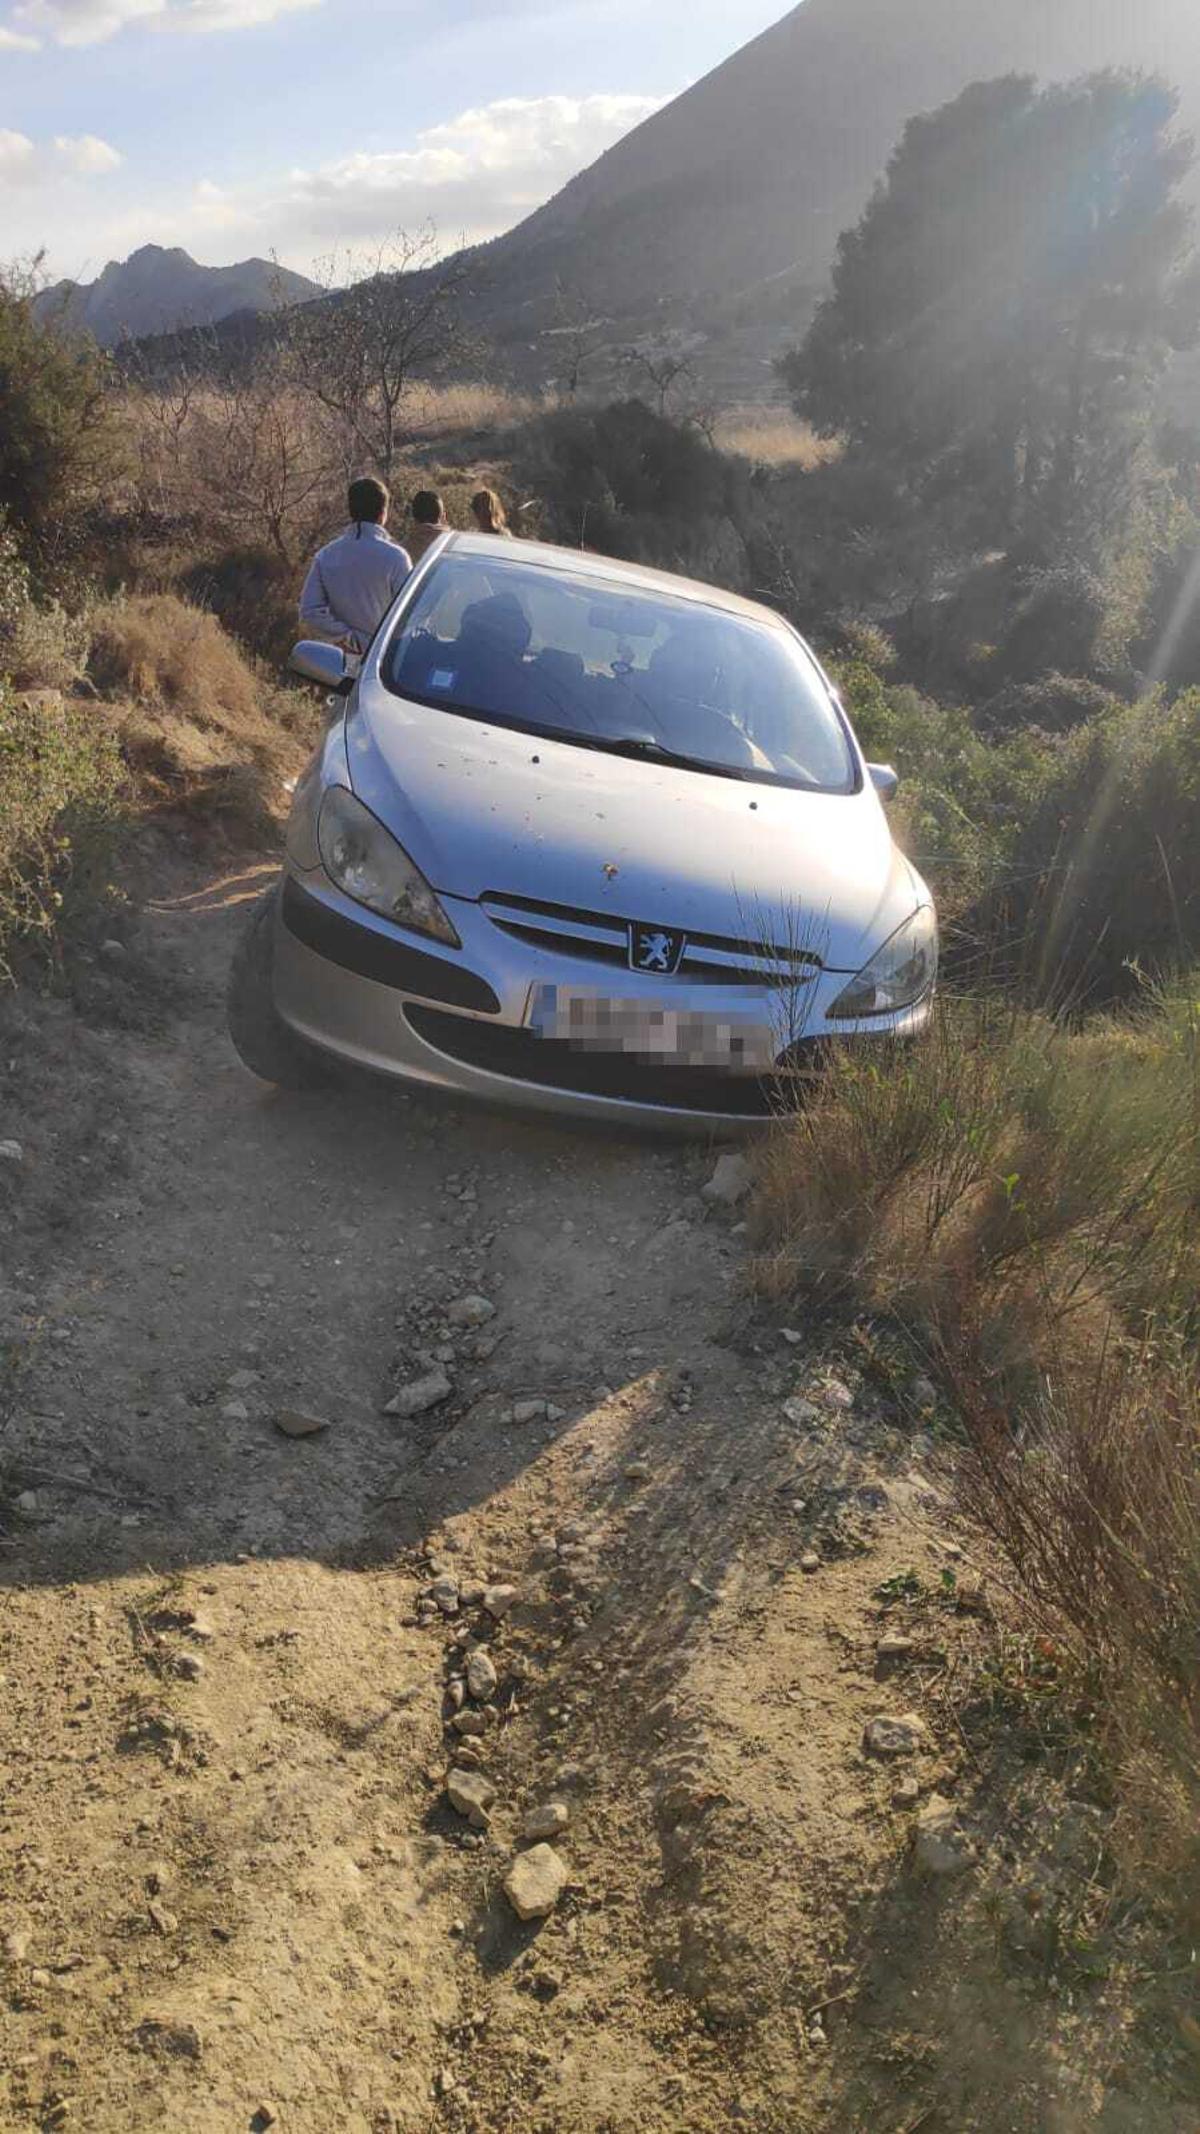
(463, 1669)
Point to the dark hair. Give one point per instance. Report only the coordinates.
(489, 511)
(427, 508)
(368, 500)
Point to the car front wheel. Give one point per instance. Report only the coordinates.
(262, 1040)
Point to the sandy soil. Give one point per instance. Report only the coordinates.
(233, 1891)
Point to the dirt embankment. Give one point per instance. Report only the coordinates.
(233, 1891)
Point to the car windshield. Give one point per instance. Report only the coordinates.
(614, 667)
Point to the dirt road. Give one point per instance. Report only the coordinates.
(233, 1890)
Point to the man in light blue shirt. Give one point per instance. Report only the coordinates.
(354, 580)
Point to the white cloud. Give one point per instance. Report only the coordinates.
(78, 22)
(34, 163)
(17, 41)
(473, 176)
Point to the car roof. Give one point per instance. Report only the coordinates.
(591, 567)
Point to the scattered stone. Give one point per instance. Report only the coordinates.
(444, 1594)
(499, 1600)
(469, 1723)
(482, 1679)
(810, 1561)
(535, 1882)
(11, 1152)
(893, 1645)
(235, 1411)
(114, 951)
(267, 2114)
(243, 1381)
(171, 2039)
(802, 1413)
(730, 1182)
(817, 2040)
(943, 1847)
(836, 1395)
(456, 1692)
(889, 1736)
(292, 1422)
(638, 1471)
(548, 1821)
(535, 1411)
(27, 1501)
(16, 1945)
(471, 1311)
(420, 1395)
(159, 1877)
(789, 1334)
(570, 1775)
(189, 1666)
(907, 1793)
(163, 1921)
(472, 1795)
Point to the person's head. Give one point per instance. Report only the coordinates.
(368, 500)
(427, 508)
(489, 511)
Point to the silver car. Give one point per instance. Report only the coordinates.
(587, 838)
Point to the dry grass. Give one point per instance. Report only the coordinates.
(774, 437)
(1023, 1199)
(197, 723)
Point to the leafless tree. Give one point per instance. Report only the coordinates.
(259, 463)
(577, 335)
(384, 326)
(665, 370)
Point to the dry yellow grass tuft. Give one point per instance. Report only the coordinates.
(774, 437)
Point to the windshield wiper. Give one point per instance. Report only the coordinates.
(637, 745)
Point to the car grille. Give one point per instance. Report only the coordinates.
(600, 937)
(520, 1056)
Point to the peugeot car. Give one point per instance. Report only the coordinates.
(584, 837)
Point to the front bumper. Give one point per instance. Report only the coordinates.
(367, 992)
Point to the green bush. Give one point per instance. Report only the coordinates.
(56, 435)
(60, 779)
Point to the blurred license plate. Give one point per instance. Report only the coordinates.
(651, 1030)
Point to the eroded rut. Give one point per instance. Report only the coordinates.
(234, 1893)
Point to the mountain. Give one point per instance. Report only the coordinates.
(724, 208)
(161, 291)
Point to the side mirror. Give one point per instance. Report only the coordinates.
(320, 663)
(884, 779)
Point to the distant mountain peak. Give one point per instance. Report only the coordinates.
(162, 289)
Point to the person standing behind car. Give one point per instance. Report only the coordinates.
(428, 514)
(354, 580)
(489, 514)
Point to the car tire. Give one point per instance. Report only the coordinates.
(262, 1040)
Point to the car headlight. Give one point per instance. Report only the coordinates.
(898, 975)
(364, 859)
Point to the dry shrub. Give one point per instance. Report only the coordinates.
(1023, 1197)
(158, 650)
(773, 437)
(197, 724)
(1095, 1499)
(43, 647)
(60, 784)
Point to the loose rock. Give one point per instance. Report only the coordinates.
(893, 1645)
(889, 1736)
(548, 1821)
(472, 1795)
(11, 1152)
(469, 1723)
(444, 1594)
(498, 1600)
(535, 1882)
(943, 1848)
(471, 1311)
(730, 1182)
(293, 1423)
(907, 1793)
(189, 1666)
(482, 1679)
(802, 1413)
(420, 1395)
(810, 1562)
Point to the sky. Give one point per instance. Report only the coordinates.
(312, 129)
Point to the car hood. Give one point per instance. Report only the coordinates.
(482, 809)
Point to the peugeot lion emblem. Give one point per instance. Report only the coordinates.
(651, 948)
